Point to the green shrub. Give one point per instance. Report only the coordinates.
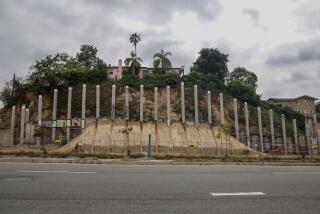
(138, 155)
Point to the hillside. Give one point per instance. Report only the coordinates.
(30, 99)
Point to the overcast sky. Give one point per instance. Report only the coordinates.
(278, 40)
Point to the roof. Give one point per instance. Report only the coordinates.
(145, 67)
(292, 99)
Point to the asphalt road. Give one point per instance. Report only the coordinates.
(73, 188)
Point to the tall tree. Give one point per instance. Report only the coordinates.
(133, 62)
(212, 61)
(135, 39)
(161, 60)
(48, 73)
(243, 75)
(88, 57)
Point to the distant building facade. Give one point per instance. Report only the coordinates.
(116, 72)
(303, 104)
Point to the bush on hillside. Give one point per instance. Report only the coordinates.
(243, 92)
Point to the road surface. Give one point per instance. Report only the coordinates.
(75, 188)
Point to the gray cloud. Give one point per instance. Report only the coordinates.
(159, 12)
(253, 13)
(255, 17)
(294, 68)
(295, 53)
(237, 56)
(31, 29)
(272, 93)
(179, 56)
(308, 16)
(299, 77)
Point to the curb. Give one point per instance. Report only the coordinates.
(149, 162)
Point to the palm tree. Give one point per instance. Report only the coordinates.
(161, 60)
(135, 39)
(133, 62)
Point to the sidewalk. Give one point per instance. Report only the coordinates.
(153, 162)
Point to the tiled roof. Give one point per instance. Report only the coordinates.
(291, 99)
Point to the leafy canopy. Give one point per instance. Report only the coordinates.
(87, 57)
(60, 69)
(243, 92)
(243, 75)
(211, 61)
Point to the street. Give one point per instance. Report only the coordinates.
(75, 188)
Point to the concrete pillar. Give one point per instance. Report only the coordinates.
(27, 126)
(40, 110)
(13, 123)
(209, 108)
(32, 133)
(113, 102)
(236, 120)
(314, 120)
(246, 115)
(183, 108)
(126, 105)
(22, 123)
(156, 116)
(196, 110)
(221, 109)
(83, 106)
(315, 132)
(141, 103)
(168, 106)
(295, 135)
(260, 129)
(155, 103)
(69, 113)
(27, 119)
(310, 124)
(271, 127)
(318, 134)
(27, 132)
(54, 115)
(284, 134)
(97, 101)
(307, 128)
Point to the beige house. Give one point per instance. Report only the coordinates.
(304, 104)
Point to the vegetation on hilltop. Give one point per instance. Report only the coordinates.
(209, 72)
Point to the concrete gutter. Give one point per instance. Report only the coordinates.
(153, 162)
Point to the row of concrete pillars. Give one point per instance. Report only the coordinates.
(25, 114)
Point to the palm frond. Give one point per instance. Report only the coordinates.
(156, 63)
(168, 53)
(127, 61)
(157, 55)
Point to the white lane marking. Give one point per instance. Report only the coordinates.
(236, 193)
(304, 173)
(47, 171)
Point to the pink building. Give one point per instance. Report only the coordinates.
(115, 72)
